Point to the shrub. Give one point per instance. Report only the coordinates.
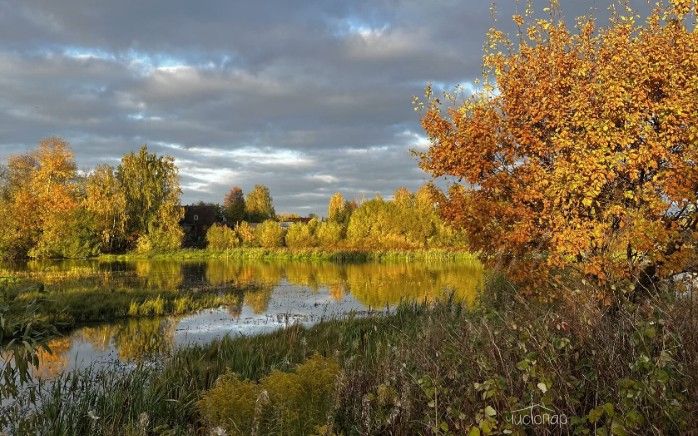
(294, 402)
(269, 234)
(222, 237)
(246, 234)
(301, 235)
(606, 372)
(329, 234)
(231, 404)
(160, 240)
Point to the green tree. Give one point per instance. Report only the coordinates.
(8, 231)
(417, 218)
(151, 187)
(270, 234)
(427, 227)
(258, 205)
(408, 221)
(405, 221)
(71, 235)
(234, 206)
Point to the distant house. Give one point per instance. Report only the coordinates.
(285, 221)
(196, 222)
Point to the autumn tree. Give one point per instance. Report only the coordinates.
(234, 206)
(302, 234)
(580, 152)
(40, 189)
(245, 234)
(52, 186)
(269, 234)
(21, 224)
(221, 237)
(329, 234)
(69, 234)
(339, 210)
(150, 184)
(258, 205)
(4, 182)
(105, 198)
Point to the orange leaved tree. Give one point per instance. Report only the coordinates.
(581, 152)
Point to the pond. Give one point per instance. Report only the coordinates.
(259, 297)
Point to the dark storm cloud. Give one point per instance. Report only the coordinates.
(307, 97)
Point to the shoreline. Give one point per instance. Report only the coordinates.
(338, 255)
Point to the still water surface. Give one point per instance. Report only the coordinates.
(276, 295)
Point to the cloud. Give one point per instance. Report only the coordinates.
(307, 97)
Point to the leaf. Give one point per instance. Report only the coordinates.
(595, 414)
(489, 411)
(542, 387)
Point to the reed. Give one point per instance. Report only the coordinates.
(441, 368)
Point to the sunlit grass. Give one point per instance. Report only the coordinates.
(308, 254)
(419, 369)
(68, 308)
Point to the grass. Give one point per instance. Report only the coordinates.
(440, 369)
(306, 254)
(66, 308)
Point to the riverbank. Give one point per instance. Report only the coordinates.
(306, 254)
(423, 369)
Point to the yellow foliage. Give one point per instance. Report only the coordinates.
(281, 403)
(585, 157)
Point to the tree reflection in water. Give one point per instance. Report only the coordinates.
(240, 284)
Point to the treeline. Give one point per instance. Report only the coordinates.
(49, 209)
(410, 220)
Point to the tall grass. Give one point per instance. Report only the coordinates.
(66, 309)
(442, 369)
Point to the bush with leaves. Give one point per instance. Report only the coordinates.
(71, 235)
(246, 234)
(329, 234)
(302, 235)
(295, 402)
(269, 234)
(222, 237)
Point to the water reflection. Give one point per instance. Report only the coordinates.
(129, 341)
(280, 293)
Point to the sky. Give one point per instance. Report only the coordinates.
(308, 98)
